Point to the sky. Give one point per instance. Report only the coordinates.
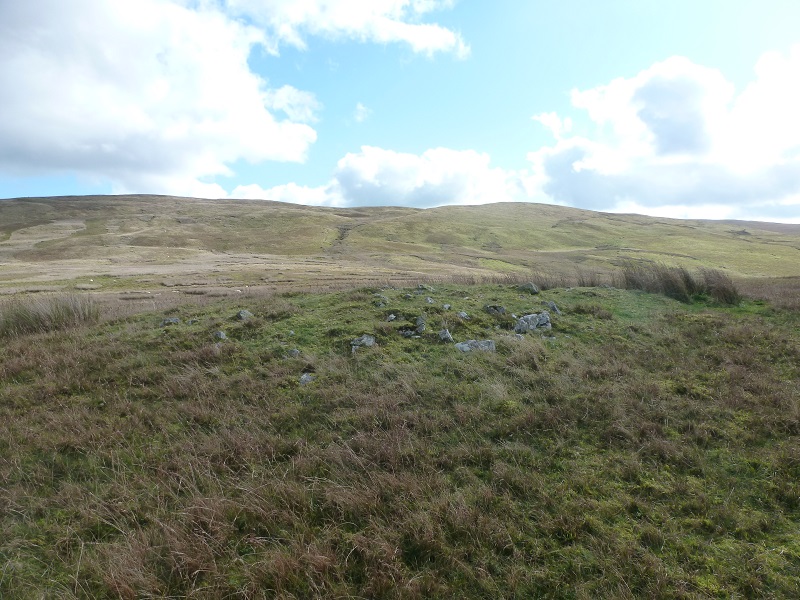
(685, 109)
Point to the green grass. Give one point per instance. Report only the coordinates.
(643, 448)
(45, 239)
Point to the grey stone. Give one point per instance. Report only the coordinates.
(477, 345)
(306, 378)
(429, 300)
(170, 321)
(552, 306)
(408, 296)
(192, 321)
(365, 340)
(407, 333)
(529, 287)
(391, 318)
(294, 353)
(494, 309)
(463, 315)
(533, 322)
(421, 320)
(445, 336)
(243, 315)
(420, 328)
(424, 287)
(220, 335)
(446, 306)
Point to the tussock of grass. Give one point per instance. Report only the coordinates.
(38, 314)
(679, 283)
(650, 454)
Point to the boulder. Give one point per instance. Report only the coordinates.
(365, 340)
(477, 345)
(529, 287)
(552, 306)
(533, 322)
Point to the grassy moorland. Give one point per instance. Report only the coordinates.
(644, 447)
(133, 243)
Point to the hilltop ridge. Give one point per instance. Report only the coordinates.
(58, 240)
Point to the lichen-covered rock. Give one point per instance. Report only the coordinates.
(477, 345)
(529, 287)
(552, 306)
(533, 322)
(365, 340)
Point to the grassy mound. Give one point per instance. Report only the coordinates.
(641, 448)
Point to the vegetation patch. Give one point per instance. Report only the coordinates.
(641, 447)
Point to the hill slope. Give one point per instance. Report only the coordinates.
(65, 239)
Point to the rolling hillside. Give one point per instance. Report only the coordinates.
(135, 241)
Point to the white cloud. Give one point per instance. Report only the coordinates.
(375, 176)
(361, 113)
(677, 140)
(382, 21)
(151, 95)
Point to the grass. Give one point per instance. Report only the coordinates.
(41, 314)
(644, 447)
(121, 240)
(679, 283)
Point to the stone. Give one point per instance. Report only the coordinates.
(445, 336)
(533, 322)
(429, 300)
(552, 306)
(408, 296)
(420, 328)
(306, 378)
(477, 345)
(365, 340)
(529, 287)
(294, 353)
(170, 321)
(192, 321)
(421, 320)
(220, 335)
(425, 288)
(391, 318)
(243, 315)
(495, 309)
(463, 315)
(446, 306)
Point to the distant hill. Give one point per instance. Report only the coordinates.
(62, 239)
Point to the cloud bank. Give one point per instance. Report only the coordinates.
(157, 95)
(379, 177)
(677, 140)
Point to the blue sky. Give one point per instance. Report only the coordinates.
(681, 109)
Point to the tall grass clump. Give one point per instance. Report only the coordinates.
(679, 283)
(21, 316)
(720, 287)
